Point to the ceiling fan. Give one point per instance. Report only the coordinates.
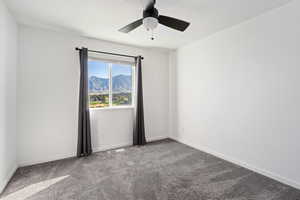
(151, 19)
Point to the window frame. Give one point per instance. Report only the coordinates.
(110, 63)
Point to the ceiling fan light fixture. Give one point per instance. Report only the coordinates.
(150, 23)
(151, 19)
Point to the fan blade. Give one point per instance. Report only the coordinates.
(176, 24)
(131, 26)
(149, 4)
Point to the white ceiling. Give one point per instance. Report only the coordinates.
(102, 18)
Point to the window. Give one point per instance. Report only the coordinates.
(110, 84)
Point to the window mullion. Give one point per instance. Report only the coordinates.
(110, 84)
(133, 85)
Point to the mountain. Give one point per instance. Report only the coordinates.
(120, 83)
(97, 84)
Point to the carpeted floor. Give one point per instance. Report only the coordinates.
(158, 171)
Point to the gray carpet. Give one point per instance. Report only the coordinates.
(157, 171)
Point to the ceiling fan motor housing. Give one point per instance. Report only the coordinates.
(153, 12)
(150, 18)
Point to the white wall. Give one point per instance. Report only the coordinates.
(238, 94)
(8, 63)
(173, 124)
(48, 80)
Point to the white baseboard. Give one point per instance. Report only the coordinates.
(95, 149)
(156, 138)
(243, 164)
(8, 177)
(125, 144)
(108, 147)
(50, 158)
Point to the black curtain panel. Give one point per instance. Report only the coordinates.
(84, 146)
(139, 127)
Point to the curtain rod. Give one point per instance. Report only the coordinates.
(109, 53)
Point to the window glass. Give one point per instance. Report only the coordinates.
(98, 84)
(110, 84)
(121, 84)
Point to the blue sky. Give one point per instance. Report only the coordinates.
(100, 69)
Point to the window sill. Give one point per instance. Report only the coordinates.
(113, 108)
